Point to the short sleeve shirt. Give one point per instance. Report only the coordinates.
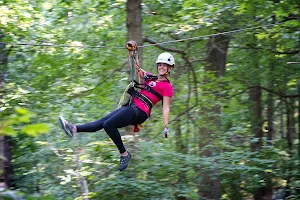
(164, 88)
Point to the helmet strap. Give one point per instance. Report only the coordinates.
(164, 76)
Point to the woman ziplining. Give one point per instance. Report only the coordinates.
(137, 109)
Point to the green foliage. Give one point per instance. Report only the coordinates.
(84, 84)
(11, 124)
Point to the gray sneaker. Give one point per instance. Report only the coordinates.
(124, 162)
(65, 126)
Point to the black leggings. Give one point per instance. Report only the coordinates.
(124, 116)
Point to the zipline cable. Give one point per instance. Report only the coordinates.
(214, 34)
(158, 43)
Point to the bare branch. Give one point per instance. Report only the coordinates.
(273, 51)
(88, 91)
(269, 90)
(146, 39)
(183, 113)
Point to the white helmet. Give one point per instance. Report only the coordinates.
(166, 58)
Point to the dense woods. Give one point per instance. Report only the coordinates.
(235, 114)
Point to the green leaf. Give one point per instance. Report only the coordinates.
(21, 111)
(35, 129)
(7, 131)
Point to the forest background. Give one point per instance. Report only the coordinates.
(235, 123)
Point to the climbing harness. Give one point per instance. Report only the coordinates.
(142, 97)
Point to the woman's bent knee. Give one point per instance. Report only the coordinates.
(107, 125)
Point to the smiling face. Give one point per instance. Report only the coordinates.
(163, 69)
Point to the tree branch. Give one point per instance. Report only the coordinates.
(268, 90)
(183, 113)
(150, 41)
(88, 91)
(273, 51)
(194, 76)
(290, 17)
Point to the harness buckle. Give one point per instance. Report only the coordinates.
(132, 92)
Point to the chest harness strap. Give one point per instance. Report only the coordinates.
(142, 97)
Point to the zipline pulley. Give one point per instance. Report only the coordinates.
(131, 46)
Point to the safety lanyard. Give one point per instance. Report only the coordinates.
(133, 59)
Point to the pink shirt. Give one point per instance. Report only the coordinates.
(164, 88)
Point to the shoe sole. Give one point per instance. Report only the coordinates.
(63, 126)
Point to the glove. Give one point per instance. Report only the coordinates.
(166, 132)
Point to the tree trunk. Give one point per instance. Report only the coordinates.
(178, 140)
(270, 103)
(268, 189)
(256, 116)
(289, 124)
(256, 126)
(134, 24)
(134, 32)
(217, 46)
(256, 110)
(270, 110)
(5, 156)
(281, 121)
(180, 149)
(299, 119)
(217, 51)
